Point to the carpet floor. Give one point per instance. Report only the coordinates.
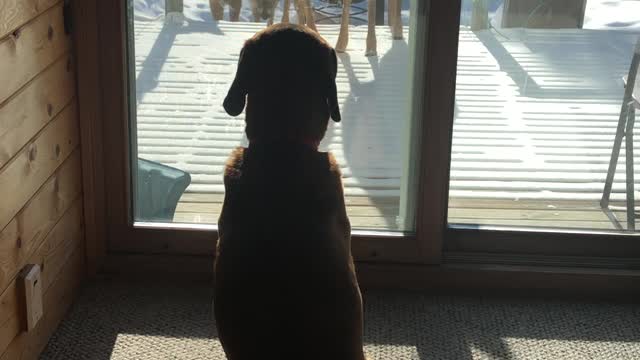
(134, 320)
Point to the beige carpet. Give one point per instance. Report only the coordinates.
(116, 320)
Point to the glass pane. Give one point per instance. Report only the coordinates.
(182, 63)
(540, 108)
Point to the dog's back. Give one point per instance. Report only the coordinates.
(285, 282)
(288, 270)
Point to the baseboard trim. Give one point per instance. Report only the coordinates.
(458, 279)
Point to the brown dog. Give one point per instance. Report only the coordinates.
(285, 285)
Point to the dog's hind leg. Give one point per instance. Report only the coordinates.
(217, 9)
(343, 38)
(372, 46)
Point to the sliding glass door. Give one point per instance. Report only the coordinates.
(480, 131)
(180, 58)
(543, 126)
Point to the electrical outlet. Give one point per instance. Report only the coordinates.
(32, 285)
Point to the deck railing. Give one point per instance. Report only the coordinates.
(174, 6)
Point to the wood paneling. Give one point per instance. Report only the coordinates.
(41, 211)
(25, 53)
(89, 111)
(34, 106)
(27, 230)
(24, 174)
(51, 255)
(55, 252)
(15, 13)
(57, 300)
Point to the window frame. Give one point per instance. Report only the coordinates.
(433, 242)
(125, 236)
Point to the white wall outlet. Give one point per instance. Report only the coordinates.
(32, 285)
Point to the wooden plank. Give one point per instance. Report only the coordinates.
(545, 224)
(55, 251)
(57, 300)
(89, 112)
(12, 324)
(26, 231)
(51, 255)
(28, 170)
(370, 210)
(472, 203)
(530, 14)
(528, 214)
(15, 13)
(35, 47)
(506, 280)
(364, 212)
(34, 106)
(349, 200)
(205, 208)
(357, 222)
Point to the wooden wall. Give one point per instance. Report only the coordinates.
(41, 204)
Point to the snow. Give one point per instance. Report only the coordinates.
(530, 122)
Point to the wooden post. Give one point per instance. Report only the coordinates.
(379, 12)
(173, 6)
(567, 14)
(480, 15)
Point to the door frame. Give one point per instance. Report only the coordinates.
(109, 52)
(101, 48)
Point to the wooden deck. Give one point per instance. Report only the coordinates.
(536, 113)
(380, 214)
(364, 212)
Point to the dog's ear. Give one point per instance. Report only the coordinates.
(237, 96)
(332, 91)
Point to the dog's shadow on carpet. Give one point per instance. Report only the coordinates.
(137, 320)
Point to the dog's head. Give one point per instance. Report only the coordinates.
(286, 78)
(265, 8)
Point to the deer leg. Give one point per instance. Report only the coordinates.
(299, 12)
(343, 38)
(372, 46)
(395, 19)
(217, 10)
(273, 14)
(285, 11)
(308, 14)
(235, 7)
(254, 11)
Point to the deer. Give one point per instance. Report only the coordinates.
(264, 10)
(395, 21)
(304, 11)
